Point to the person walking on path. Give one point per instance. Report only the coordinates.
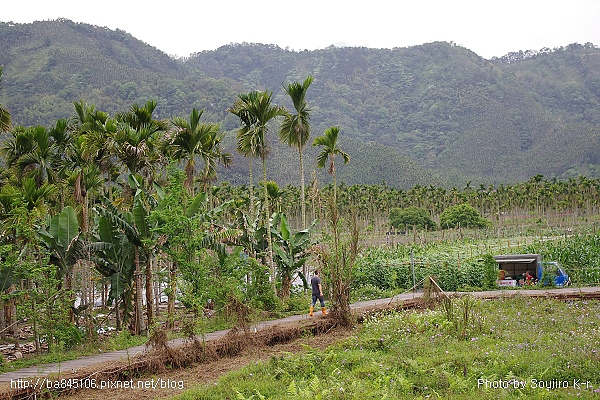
(317, 293)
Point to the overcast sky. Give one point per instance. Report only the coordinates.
(181, 27)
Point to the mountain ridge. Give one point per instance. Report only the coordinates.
(438, 106)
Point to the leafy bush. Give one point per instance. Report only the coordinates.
(447, 275)
(67, 334)
(259, 290)
(368, 292)
(297, 302)
(378, 274)
(411, 217)
(462, 215)
(490, 272)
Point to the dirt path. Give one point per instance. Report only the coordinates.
(87, 361)
(178, 379)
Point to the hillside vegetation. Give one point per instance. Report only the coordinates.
(436, 107)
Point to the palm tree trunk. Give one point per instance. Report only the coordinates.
(13, 317)
(268, 224)
(139, 302)
(334, 190)
(189, 175)
(332, 172)
(303, 203)
(251, 190)
(2, 320)
(251, 208)
(149, 291)
(171, 295)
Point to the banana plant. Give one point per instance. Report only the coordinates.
(290, 251)
(62, 239)
(113, 255)
(136, 229)
(253, 236)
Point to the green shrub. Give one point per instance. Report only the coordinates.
(446, 275)
(490, 272)
(410, 217)
(377, 274)
(259, 290)
(462, 215)
(297, 302)
(67, 335)
(368, 292)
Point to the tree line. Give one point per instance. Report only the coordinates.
(438, 104)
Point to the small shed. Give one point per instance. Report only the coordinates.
(515, 265)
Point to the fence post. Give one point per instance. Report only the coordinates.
(412, 267)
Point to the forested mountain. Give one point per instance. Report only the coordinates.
(430, 114)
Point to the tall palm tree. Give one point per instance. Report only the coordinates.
(31, 153)
(187, 142)
(255, 111)
(246, 141)
(138, 138)
(136, 145)
(330, 149)
(248, 147)
(86, 179)
(212, 154)
(62, 139)
(88, 155)
(4, 114)
(95, 140)
(295, 129)
(262, 111)
(20, 142)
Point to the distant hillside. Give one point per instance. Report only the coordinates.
(370, 163)
(48, 65)
(436, 107)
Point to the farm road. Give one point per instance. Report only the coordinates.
(398, 300)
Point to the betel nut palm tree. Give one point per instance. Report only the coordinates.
(330, 149)
(212, 154)
(193, 138)
(255, 111)
(136, 143)
(295, 129)
(246, 145)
